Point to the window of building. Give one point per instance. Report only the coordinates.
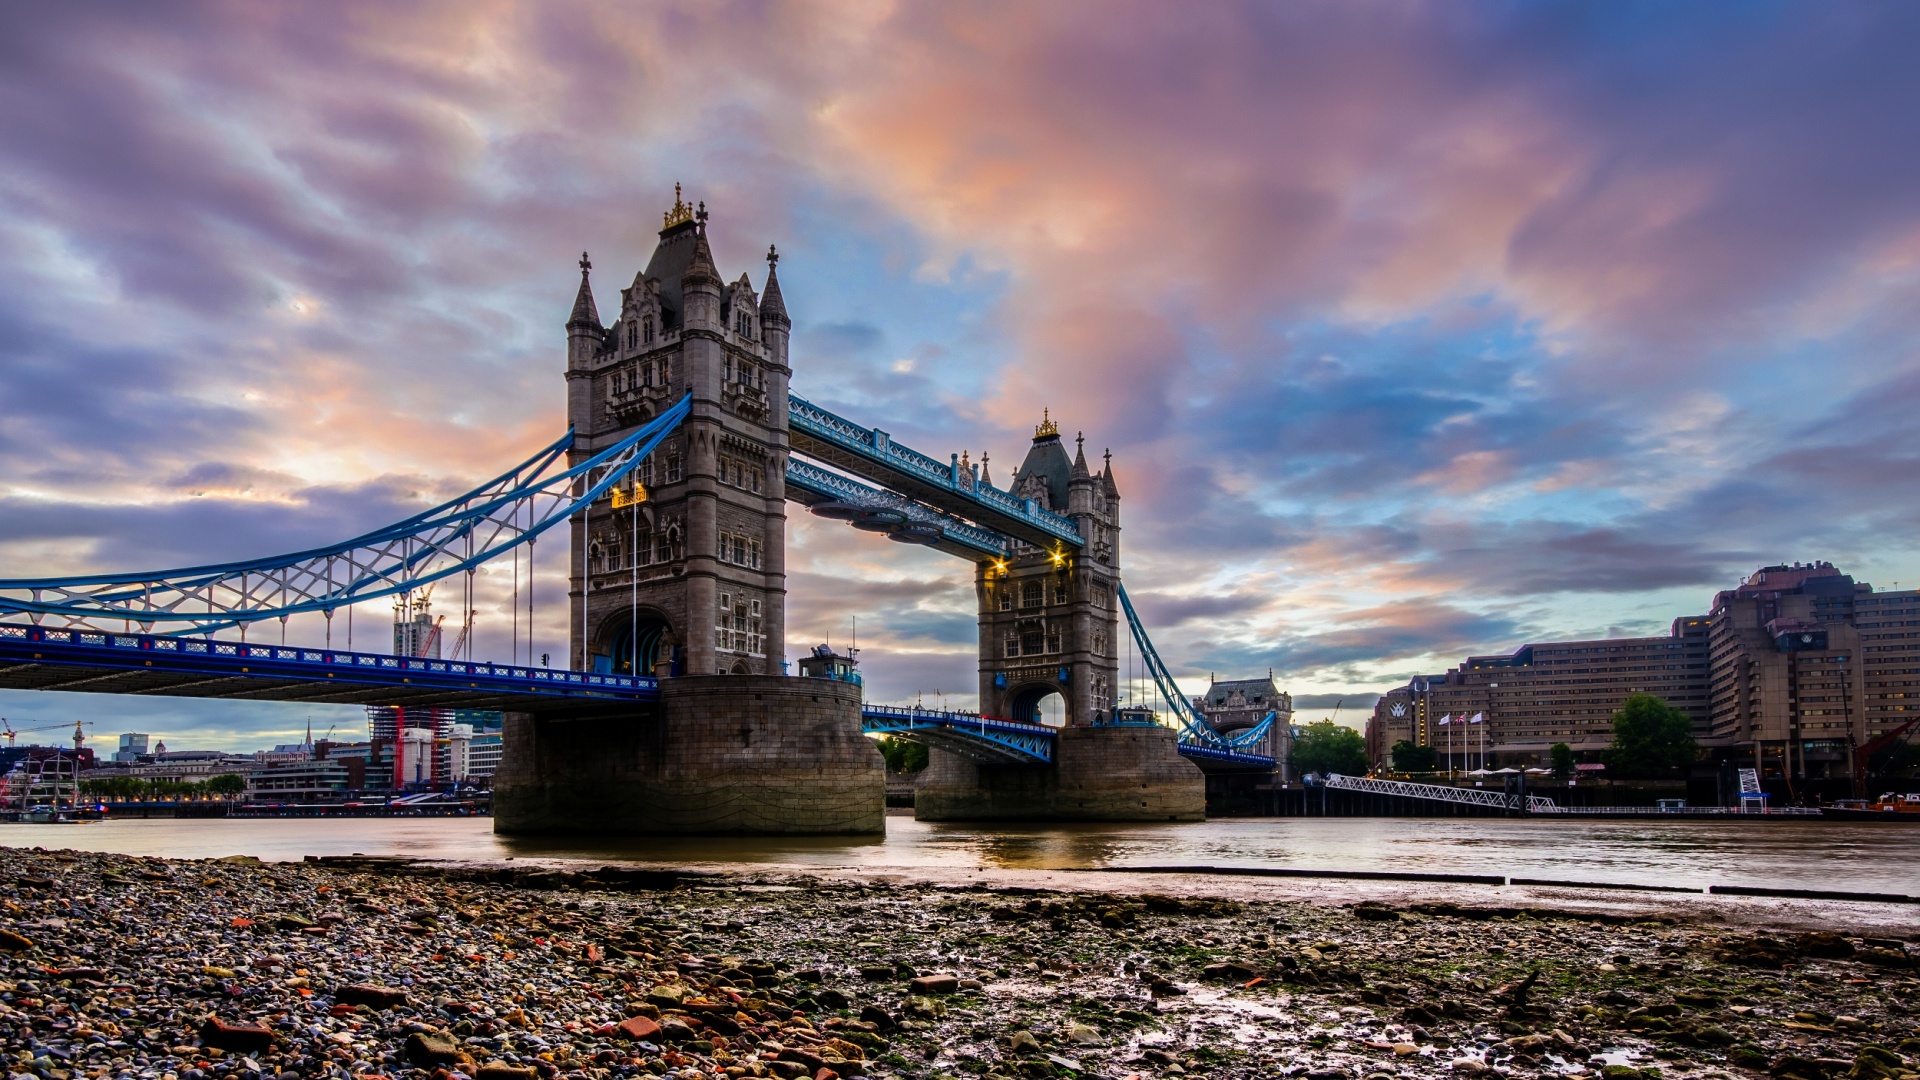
(1013, 645)
(1030, 594)
(1059, 592)
(740, 550)
(646, 330)
(1006, 597)
(739, 626)
(1031, 642)
(673, 468)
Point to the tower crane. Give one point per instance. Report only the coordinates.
(1863, 756)
(13, 733)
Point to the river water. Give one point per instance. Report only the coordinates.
(1808, 855)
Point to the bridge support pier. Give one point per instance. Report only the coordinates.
(741, 754)
(1119, 773)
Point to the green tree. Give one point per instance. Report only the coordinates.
(1326, 747)
(228, 784)
(903, 756)
(1409, 756)
(1562, 757)
(1650, 738)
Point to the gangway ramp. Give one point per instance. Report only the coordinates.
(1498, 800)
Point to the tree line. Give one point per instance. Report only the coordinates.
(1651, 739)
(133, 788)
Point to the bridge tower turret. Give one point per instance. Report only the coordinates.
(682, 571)
(1048, 616)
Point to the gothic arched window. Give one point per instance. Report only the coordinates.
(646, 329)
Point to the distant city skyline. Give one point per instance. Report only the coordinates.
(1415, 332)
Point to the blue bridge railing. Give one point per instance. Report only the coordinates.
(93, 648)
(981, 738)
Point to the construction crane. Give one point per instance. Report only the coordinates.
(1335, 718)
(12, 733)
(461, 641)
(1864, 754)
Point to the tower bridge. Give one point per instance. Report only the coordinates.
(674, 712)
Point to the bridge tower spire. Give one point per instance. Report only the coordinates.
(1048, 616)
(684, 572)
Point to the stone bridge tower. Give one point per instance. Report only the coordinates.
(683, 570)
(1049, 617)
(681, 573)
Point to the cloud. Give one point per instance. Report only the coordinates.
(1415, 330)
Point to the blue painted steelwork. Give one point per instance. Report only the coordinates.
(500, 515)
(814, 480)
(1253, 734)
(1198, 737)
(1260, 762)
(163, 654)
(979, 738)
(918, 475)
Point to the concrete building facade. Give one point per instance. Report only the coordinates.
(1790, 670)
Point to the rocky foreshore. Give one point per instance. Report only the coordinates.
(113, 966)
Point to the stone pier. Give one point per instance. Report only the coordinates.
(740, 754)
(1117, 773)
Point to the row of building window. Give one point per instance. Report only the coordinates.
(744, 372)
(744, 475)
(1033, 594)
(640, 333)
(665, 471)
(740, 550)
(652, 373)
(1033, 642)
(619, 552)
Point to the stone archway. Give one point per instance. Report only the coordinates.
(1039, 703)
(639, 641)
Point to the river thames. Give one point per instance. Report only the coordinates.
(1692, 854)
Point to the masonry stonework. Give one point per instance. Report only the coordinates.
(748, 754)
(1119, 773)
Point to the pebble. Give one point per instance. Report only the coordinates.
(116, 968)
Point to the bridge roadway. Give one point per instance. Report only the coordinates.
(43, 658)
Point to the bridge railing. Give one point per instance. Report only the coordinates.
(1006, 740)
(1441, 793)
(875, 444)
(111, 648)
(1235, 757)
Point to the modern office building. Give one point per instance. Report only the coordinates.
(1791, 670)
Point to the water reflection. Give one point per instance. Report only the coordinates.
(1867, 856)
(687, 849)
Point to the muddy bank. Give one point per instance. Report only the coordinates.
(113, 966)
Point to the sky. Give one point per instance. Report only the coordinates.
(1415, 329)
